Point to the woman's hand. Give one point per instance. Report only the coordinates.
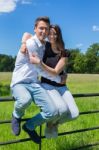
(63, 79)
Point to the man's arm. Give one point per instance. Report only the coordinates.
(31, 49)
(25, 37)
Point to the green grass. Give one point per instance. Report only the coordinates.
(77, 83)
(5, 79)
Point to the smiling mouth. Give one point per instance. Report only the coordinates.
(43, 36)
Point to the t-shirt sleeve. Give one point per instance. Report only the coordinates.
(31, 46)
(65, 53)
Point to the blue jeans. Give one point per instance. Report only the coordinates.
(24, 94)
(64, 102)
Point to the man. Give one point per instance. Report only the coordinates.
(25, 86)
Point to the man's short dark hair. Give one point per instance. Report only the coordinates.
(44, 18)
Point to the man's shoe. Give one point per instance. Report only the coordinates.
(32, 134)
(16, 128)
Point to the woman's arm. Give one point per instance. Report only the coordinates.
(58, 68)
(53, 71)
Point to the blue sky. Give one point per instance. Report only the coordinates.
(78, 19)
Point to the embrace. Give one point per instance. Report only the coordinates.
(42, 55)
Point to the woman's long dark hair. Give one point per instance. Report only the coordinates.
(59, 39)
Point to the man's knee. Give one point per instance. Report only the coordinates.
(51, 113)
(24, 101)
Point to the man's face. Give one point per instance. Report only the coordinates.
(42, 30)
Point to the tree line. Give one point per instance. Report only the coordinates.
(79, 62)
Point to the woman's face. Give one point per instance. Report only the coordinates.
(52, 35)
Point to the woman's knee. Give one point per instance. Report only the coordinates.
(75, 114)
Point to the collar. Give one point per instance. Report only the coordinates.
(38, 41)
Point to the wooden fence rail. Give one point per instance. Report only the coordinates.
(7, 99)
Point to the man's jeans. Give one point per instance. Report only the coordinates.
(64, 102)
(24, 94)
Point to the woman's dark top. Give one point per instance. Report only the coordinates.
(51, 58)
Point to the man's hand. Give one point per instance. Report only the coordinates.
(34, 59)
(23, 48)
(25, 37)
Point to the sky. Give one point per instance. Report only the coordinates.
(78, 19)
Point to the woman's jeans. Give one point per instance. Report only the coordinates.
(24, 94)
(64, 102)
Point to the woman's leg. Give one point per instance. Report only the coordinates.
(57, 98)
(73, 111)
(52, 126)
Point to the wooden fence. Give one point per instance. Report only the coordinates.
(7, 99)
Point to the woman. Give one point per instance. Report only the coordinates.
(54, 61)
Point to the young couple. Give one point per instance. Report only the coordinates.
(38, 57)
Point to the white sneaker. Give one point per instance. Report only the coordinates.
(51, 132)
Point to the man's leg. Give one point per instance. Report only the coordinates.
(44, 101)
(22, 101)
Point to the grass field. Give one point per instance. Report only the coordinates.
(77, 83)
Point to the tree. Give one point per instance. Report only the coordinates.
(73, 55)
(6, 63)
(80, 63)
(92, 60)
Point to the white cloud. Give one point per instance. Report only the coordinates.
(7, 6)
(95, 28)
(79, 45)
